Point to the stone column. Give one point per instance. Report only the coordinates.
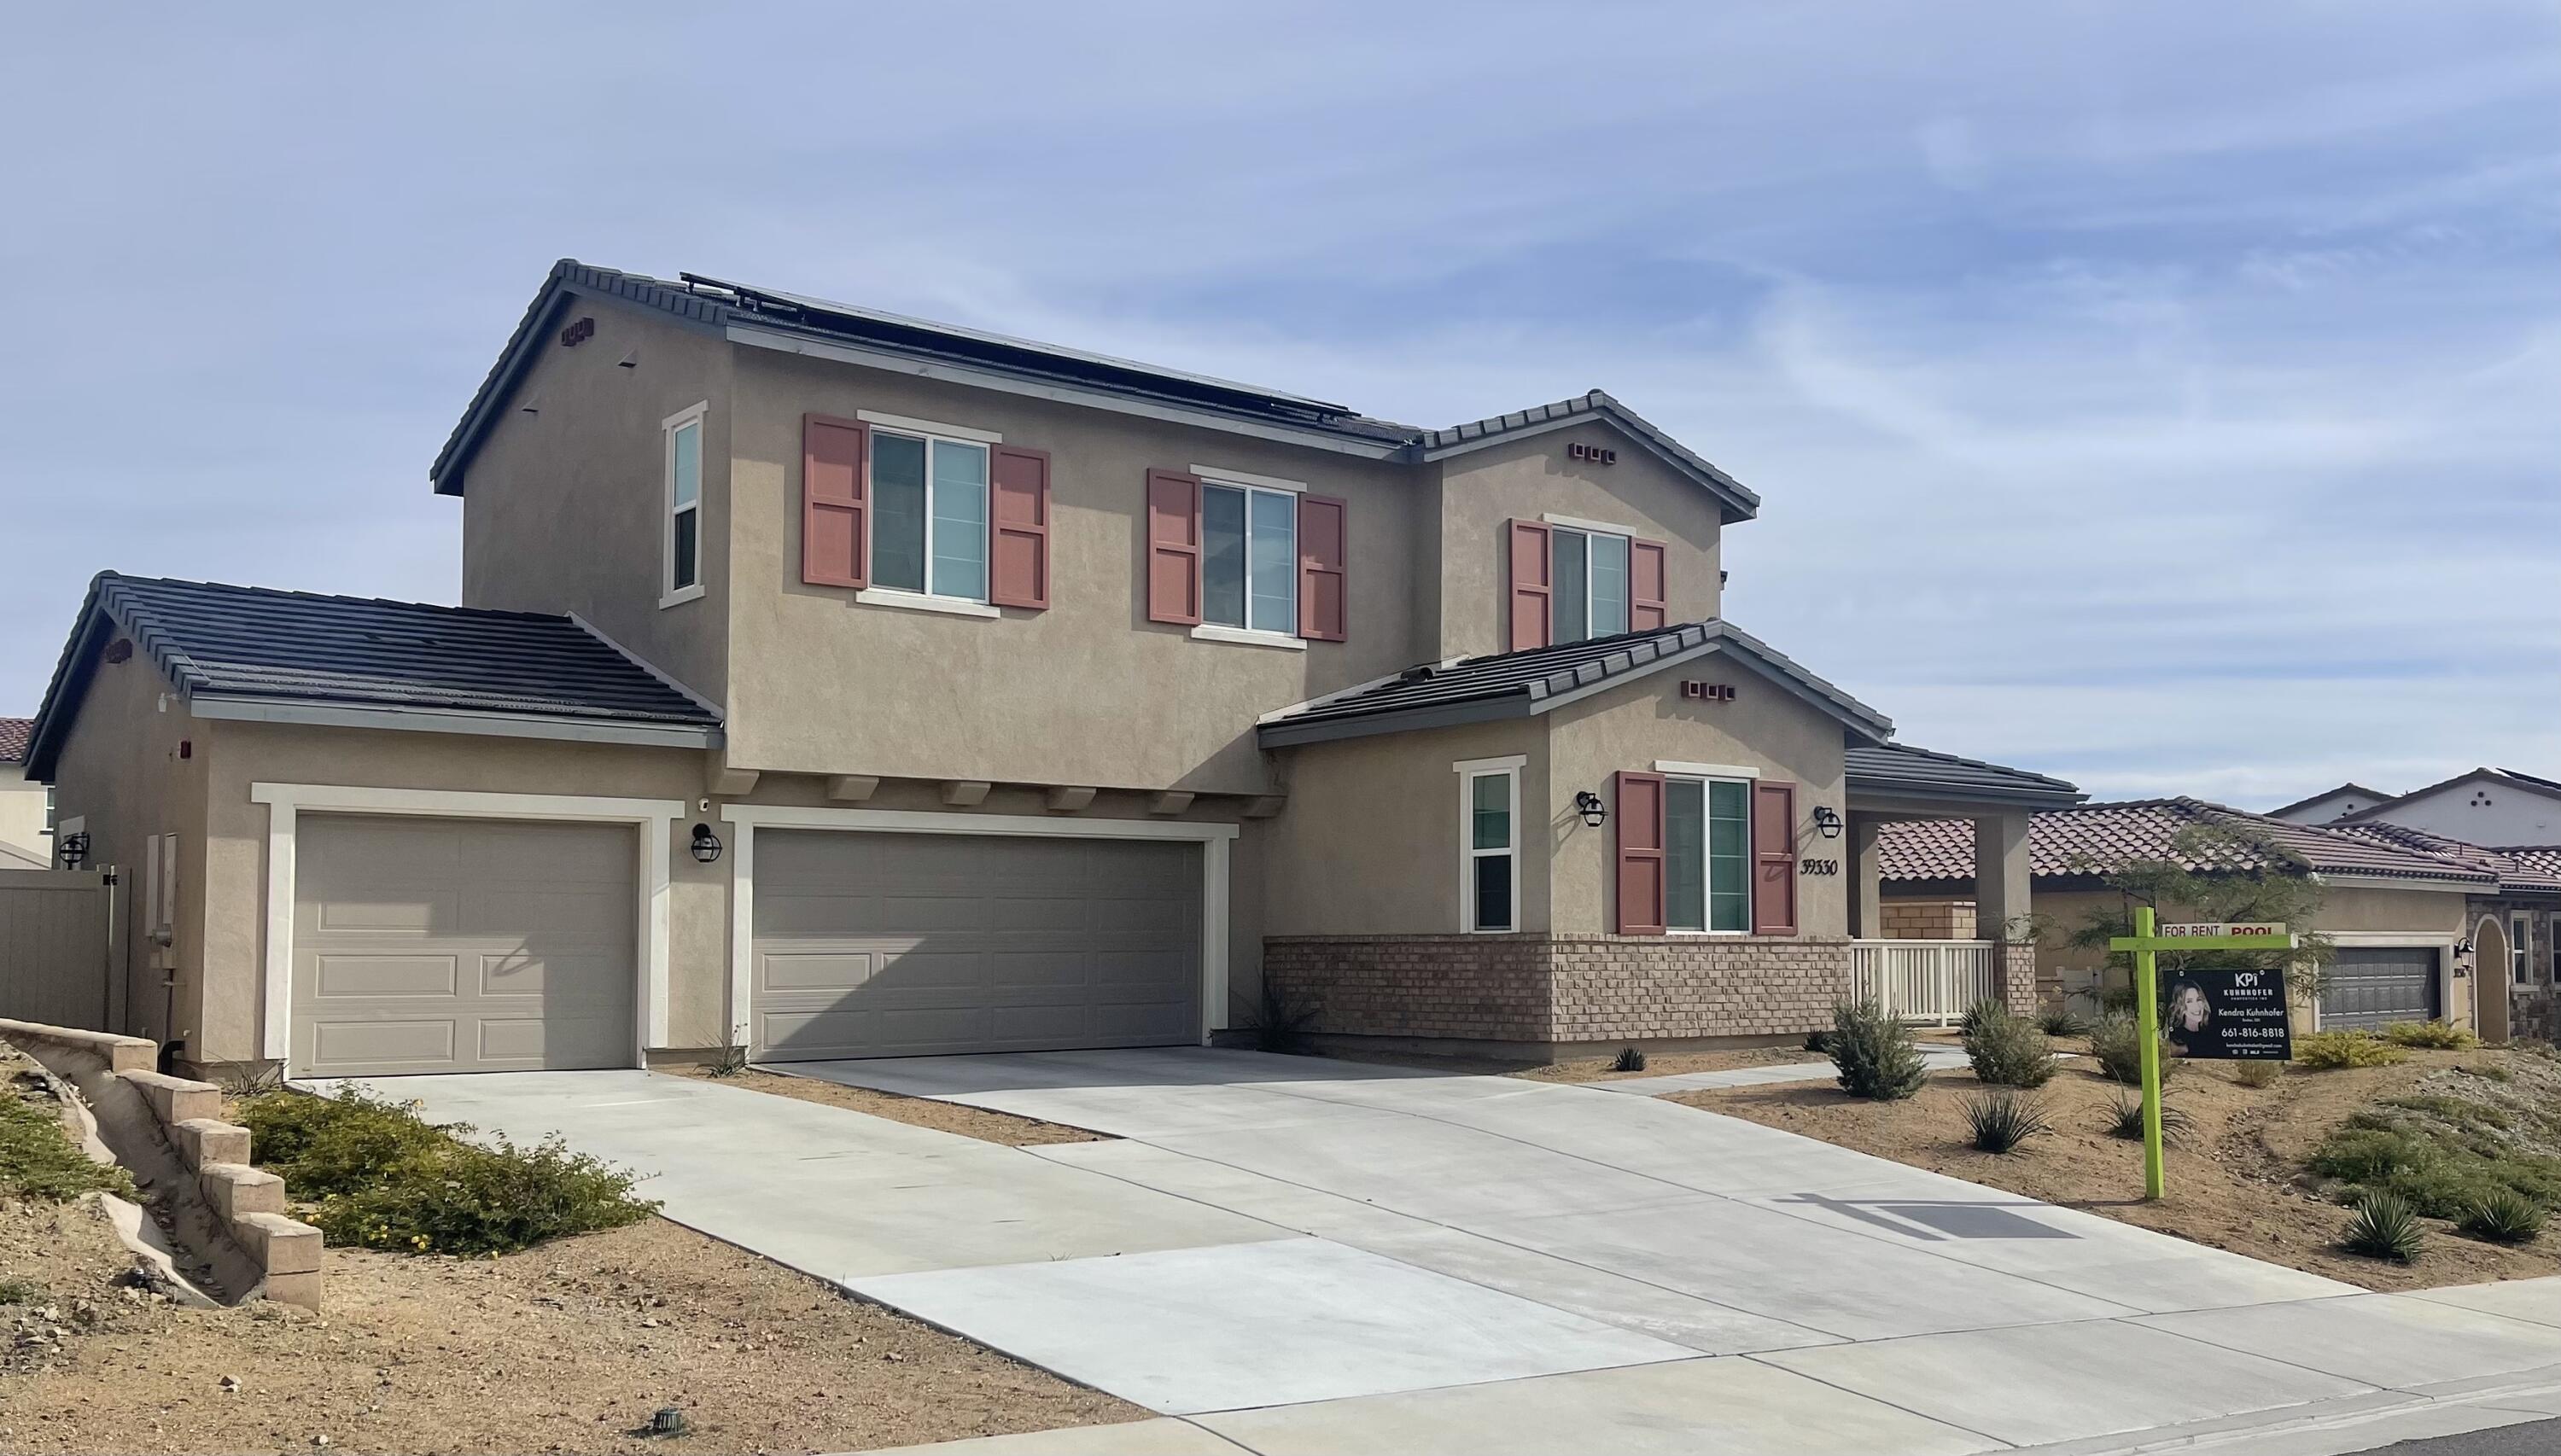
(1867, 887)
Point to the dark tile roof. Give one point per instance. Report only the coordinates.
(2350, 787)
(1518, 684)
(2519, 871)
(261, 645)
(14, 732)
(1900, 769)
(2535, 859)
(2530, 782)
(1744, 502)
(2100, 839)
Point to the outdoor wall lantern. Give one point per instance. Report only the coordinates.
(707, 845)
(1589, 805)
(2463, 946)
(1828, 821)
(74, 850)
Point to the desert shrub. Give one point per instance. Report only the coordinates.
(377, 1174)
(1280, 1022)
(37, 1160)
(2117, 1043)
(2502, 1215)
(2442, 1173)
(2332, 1050)
(2002, 1119)
(1820, 1043)
(20, 1291)
(1980, 1012)
(1629, 1059)
(2126, 1120)
(1873, 1051)
(2258, 1074)
(2009, 1051)
(2384, 1227)
(2062, 1022)
(2434, 1035)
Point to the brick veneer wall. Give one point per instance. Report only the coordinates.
(1927, 919)
(2022, 989)
(1543, 989)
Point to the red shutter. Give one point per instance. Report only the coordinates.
(1173, 548)
(1531, 570)
(1647, 595)
(1321, 542)
(835, 486)
(1018, 527)
(1639, 818)
(1774, 857)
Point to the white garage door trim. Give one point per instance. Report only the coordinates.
(285, 802)
(2443, 945)
(1215, 840)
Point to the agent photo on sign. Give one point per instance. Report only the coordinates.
(2191, 1017)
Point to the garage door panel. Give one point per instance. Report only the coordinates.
(2375, 986)
(384, 975)
(885, 944)
(464, 945)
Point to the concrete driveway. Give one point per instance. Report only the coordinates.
(1300, 1255)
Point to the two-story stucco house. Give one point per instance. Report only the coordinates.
(833, 684)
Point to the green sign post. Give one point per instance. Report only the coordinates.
(2151, 937)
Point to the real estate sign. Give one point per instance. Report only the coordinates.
(2264, 999)
(2228, 1015)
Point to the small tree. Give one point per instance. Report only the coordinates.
(2220, 872)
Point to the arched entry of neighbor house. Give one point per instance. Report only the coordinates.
(2492, 969)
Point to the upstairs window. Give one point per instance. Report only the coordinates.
(1249, 557)
(684, 498)
(1589, 574)
(930, 505)
(1707, 855)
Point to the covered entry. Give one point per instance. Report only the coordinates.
(434, 945)
(890, 945)
(2375, 986)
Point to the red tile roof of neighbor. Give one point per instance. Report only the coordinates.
(2098, 839)
(14, 732)
(2529, 869)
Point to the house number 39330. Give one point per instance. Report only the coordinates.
(1819, 867)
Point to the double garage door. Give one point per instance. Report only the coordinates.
(2372, 987)
(439, 945)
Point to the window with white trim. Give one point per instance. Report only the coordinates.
(929, 501)
(1707, 855)
(1489, 848)
(2520, 948)
(1589, 576)
(1249, 557)
(684, 542)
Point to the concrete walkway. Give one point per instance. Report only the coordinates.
(1297, 1256)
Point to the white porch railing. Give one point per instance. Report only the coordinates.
(1929, 981)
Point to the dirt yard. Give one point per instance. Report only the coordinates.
(2236, 1179)
(969, 1122)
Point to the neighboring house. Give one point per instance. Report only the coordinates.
(833, 684)
(2330, 804)
(2486, 806)
(26, 820)
(2398, 915)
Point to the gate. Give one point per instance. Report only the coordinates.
(55, 940)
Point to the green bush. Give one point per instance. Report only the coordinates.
(2258, 1074)
(1629, 1059)
(2009, 1051)
(2442, 1175)
(2126, 1120)
(2332, 1051)
(2502, 1215)
(2384, 1227)
(1820, 1043)
(2064, 1022)
(2117, 1043)
(1980, 1012)
(37, 1160)
(377, 1175)
(2002, 1119)
(2434, 1035)
(1874, 1052)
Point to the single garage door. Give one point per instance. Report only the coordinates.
(907, 944)
(462, 945)
(2374, 987)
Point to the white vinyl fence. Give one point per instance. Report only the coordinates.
(1926, 981)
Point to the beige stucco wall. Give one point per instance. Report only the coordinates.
(1479, 492)
(1764, 728)
(233, 857)
(1369, 842)
(563, 508)
(120, 776)
(22, 812)
(1089, 692)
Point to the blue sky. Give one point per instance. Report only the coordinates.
(2163, 396)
